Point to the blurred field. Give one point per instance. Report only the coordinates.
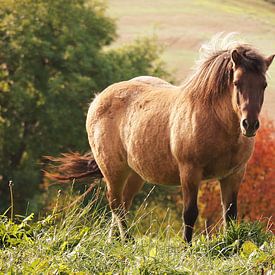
(181, 26)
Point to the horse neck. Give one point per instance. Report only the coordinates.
(224, 113)
(218, 108)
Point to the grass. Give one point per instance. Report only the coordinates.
(75, 241)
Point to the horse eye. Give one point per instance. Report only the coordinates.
(265, 85)
(236, 83)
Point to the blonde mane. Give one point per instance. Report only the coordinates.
(212, 73)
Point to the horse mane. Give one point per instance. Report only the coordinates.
(213, 72)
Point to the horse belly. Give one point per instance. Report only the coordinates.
(147, 141)
(154, 169)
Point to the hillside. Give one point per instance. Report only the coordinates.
(181, 26)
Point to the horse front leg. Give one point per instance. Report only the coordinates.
(229, 195)
(190, 179)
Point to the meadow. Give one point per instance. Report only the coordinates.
(74, 241)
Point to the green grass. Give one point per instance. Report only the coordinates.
(75, 241)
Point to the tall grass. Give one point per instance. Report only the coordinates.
(75, 240)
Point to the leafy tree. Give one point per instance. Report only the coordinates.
(53, 58)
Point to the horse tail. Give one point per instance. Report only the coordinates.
(70, 166)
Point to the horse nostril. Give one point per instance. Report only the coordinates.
(256, 125)
(245, 124)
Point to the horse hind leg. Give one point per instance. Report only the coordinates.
(119, 218)
(134, 184)
(113, 224)
(115, 187)
(131, 187)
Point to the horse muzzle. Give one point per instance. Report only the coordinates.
(249, 128)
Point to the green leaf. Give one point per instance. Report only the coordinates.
(153, 252)
(247, 248)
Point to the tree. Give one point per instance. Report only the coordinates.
(52, 61)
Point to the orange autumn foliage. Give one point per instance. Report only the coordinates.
(256, 199)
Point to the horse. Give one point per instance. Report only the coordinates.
(148, 130)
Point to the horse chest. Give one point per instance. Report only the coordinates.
(225, 162)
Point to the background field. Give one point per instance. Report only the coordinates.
(181, 26)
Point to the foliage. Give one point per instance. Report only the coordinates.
(12, 234)
(257, 193)
(75, 240)
(53, 58)
(237, 235)
(132, 60)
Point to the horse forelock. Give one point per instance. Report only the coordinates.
(212, 73)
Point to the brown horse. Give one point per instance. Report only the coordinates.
(146, 129)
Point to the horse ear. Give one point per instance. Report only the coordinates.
(236, 58)
(269, 60)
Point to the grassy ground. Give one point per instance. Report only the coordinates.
(75, 241)
(182, 25)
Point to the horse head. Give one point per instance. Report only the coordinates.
(248, 86)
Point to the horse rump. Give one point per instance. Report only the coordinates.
(72, 166)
